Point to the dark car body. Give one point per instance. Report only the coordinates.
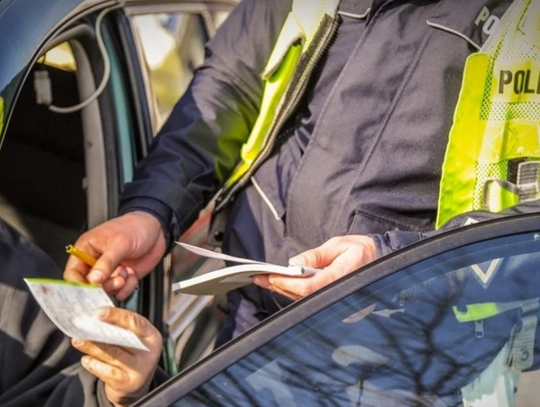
(450, 321)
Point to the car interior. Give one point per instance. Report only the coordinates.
(42, 192)
(62, 176)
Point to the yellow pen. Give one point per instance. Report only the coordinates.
(88, 259)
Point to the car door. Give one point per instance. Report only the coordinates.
(164, 44)
(451, 321)
(80, 102)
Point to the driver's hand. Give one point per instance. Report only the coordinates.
(127, 373)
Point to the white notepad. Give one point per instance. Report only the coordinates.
(228, 278)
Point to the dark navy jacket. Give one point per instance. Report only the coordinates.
(363, 153)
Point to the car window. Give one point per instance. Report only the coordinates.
(43, 153)
(62, 164)
(460, 327)
(173, 46)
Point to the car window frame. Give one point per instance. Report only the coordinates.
(137, 8)
(63, 31)
(29, 51)
(155, 295)
(112, 171)
(229, 354)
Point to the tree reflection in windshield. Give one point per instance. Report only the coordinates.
(455, 330)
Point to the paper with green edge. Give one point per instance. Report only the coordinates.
(73, 308)
(57, 281)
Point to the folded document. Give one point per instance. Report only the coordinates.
(73, 308)
(228, 278)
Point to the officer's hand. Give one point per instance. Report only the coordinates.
(127, 248)
(127, 373)
(337, 257)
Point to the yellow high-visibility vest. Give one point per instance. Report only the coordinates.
(297, 42)
(492, 159)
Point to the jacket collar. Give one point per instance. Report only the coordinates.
(472, 20)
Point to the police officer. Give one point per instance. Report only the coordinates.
(320, 121)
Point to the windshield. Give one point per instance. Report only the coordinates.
(453, 330)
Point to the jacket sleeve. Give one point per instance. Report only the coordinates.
(38, 365)
(199, 145)
(395, 240)
(79, 388)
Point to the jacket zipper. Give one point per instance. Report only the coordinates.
(297, 90)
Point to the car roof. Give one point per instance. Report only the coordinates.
(25, 26)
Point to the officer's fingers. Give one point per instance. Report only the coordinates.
(110, 375)
(291, 287)
(109, 354)
(354, 252)
(117, 280)
(76, 270)
(262, 280)
(357, 252)
(320, 256)
(131, 283)
(288, 294)
(342, 265)
(108, 262)
(298, 287)
(132, 321)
